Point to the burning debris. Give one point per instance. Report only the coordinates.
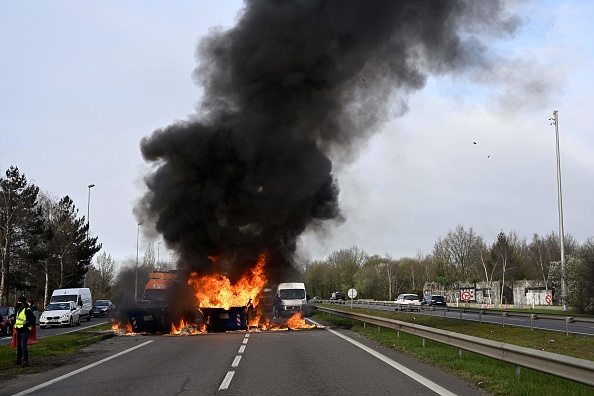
(293, 88)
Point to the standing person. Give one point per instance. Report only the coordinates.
(24, 322)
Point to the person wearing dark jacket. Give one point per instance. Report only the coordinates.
(24, 322)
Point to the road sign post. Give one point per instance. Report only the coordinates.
(352, 293)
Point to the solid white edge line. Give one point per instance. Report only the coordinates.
(227, 380)
(241, 349)
(419, 378)
(80, 370)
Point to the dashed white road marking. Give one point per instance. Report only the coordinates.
(241, 349)
(227, 380)
(244, 341)
(236, 361)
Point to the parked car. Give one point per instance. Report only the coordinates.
(337, 297)
(436, 300)
(65, 313)
(317, 299)
(6, 320)
(102, 308)
(409, 302)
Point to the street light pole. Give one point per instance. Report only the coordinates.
(158, 261)
(136, 280)
(555, 121)
(88, 223)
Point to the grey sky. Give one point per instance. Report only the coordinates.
(82, 83)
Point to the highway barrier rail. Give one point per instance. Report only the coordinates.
(484, 312)
(567, 367)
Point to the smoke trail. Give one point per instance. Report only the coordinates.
(292, 85)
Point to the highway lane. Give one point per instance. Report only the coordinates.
(306, 362)
(542, 324)
(51, 331)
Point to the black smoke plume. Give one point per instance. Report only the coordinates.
(292, 87)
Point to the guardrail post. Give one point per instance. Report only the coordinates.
(397, 333)
(460, 314)
(518, 371)
(444, 312)
(480, 317)
(531, 320)
(460, 353)
(503, 319)
(423, 342)
(566, 325)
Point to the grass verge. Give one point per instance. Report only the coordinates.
(52, 351)
(493, 376)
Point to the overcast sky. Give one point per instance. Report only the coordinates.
(81, 83)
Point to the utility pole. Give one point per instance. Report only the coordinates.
(136, 272)
(555, 121)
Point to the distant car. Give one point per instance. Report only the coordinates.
(6, 318)
(102, 308)
(436, 300)
(408, 302)
(337, 297)
(317, 299)
(60, 314)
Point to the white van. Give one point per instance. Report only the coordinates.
(293, 298)
(81, 297)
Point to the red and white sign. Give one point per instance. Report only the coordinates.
(466, 296)
(238, 319)
(549, 299)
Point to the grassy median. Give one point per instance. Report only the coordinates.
(493, 376)
(52, 351)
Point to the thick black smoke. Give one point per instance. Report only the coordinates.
(292, 85)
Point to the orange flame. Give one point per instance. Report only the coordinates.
(118, 327)
(185, 328)
(296, 322)
(216, 291)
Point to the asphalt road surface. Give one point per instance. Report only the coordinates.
(322, 361)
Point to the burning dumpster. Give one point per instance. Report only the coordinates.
(221, 320)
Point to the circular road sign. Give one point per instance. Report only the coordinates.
(466, 296)
(549, 299)
(352, 293)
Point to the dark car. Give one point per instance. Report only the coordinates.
(337, 297)
(435, 300)
(102, 308)
(6, 318)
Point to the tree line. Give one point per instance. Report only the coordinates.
(462, 256)
(44, 244)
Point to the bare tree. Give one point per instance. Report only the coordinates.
(503, 253)
(489, 267)
(459, 253)
(102, 276)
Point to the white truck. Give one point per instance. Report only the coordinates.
(291, 298)
(81, 296)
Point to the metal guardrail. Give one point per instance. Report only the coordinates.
(567, 367)
(492, 312)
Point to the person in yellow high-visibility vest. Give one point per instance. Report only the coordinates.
(24, 322)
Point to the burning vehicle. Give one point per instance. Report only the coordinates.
(216, 305)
